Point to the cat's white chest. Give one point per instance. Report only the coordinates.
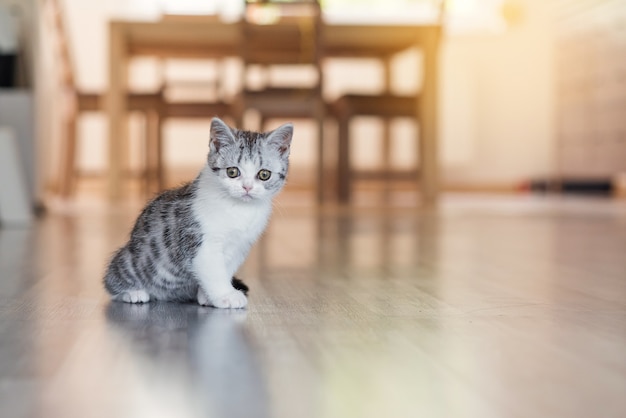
(230, 226)
(229, 231)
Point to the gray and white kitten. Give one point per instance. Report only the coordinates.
(188, 242)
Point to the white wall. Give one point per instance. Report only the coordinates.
(498, 100)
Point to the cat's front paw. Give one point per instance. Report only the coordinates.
(134, 296)
(234, 299)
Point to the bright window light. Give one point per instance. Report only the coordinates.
(461, 16)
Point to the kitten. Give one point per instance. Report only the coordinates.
(188, 242)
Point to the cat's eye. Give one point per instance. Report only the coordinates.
(232, 172)
(265, 175)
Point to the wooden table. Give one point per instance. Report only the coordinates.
(203, 39)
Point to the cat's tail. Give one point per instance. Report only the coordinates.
(119, 277)
(239, 285)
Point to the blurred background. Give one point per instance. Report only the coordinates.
(507, 300)
(530, 93)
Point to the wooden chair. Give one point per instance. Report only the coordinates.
(292, 40)
(78, 102)
(385, 106)
(156, 107)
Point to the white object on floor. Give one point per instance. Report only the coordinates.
(15, 208)
(17, 112)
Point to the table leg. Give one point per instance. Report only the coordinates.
(116, 108)
(386, 146)
(321, 175)
(427, 115)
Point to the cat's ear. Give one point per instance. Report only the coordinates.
(281, 138)
(221, 135)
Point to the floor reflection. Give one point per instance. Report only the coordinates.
(322, 246)
(208, 347)
(17, 272)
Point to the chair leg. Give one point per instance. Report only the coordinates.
(319, 117)
(343, 163)
(145, 180)
(160, 171)
(154, 168)
(67, 176)
(386, 153)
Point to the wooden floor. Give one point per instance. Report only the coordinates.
(489, 307)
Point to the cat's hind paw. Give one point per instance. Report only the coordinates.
(233, 299)
(134, 296)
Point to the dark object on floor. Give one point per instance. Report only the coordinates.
(571, 186)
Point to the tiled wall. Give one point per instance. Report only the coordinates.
(591, 89)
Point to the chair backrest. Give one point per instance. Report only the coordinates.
(287, 42)
(282, 33)
(53, 9)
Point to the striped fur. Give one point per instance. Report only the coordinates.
(188, 242)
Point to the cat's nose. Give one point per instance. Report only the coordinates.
(247, 187)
